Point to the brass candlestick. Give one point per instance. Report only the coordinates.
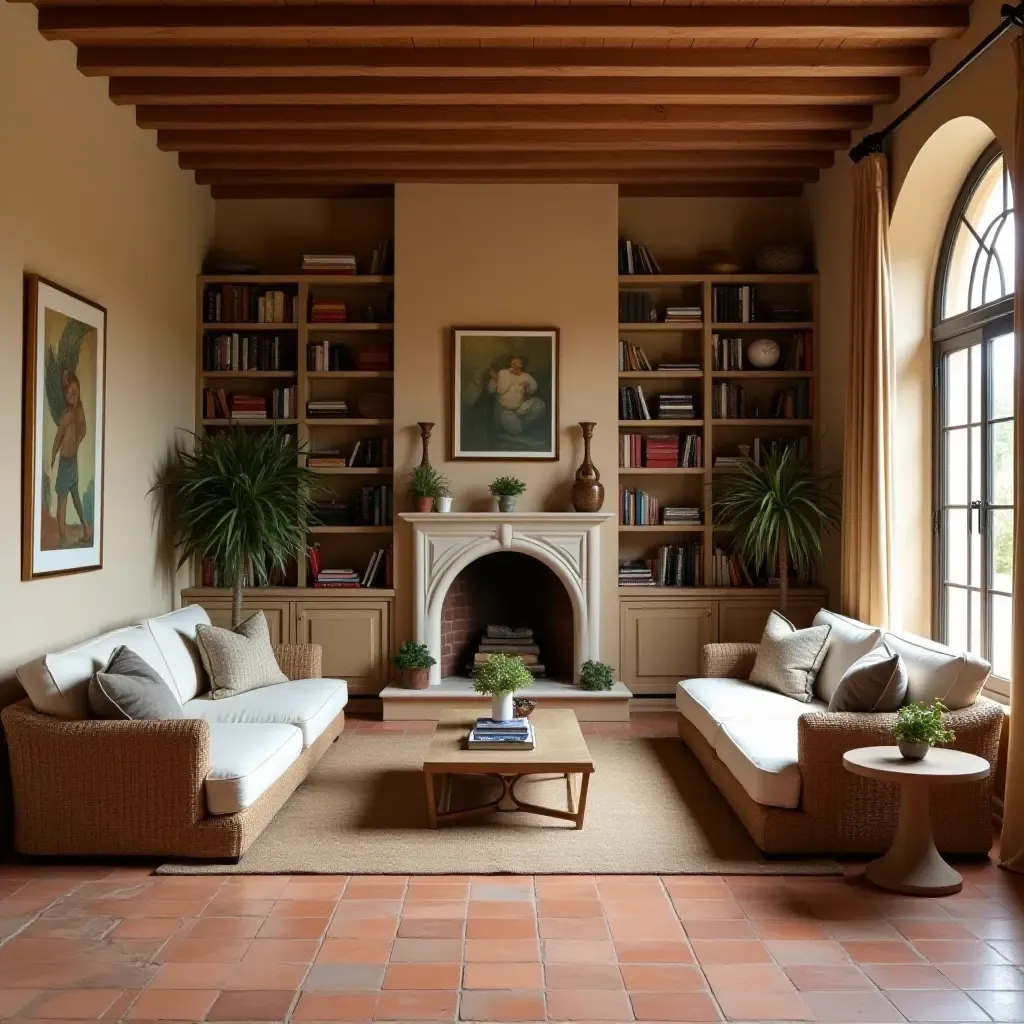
(425, 429)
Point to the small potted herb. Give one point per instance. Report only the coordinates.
(596, 675)
(506, 489)
(426, 484)
(499, 676)
(443, 502)
(919, 727)
(415, 662)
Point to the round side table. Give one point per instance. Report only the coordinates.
(913, 865)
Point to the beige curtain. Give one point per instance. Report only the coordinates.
(867, 561)
(1011, 846)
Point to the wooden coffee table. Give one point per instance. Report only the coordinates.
(559, 750)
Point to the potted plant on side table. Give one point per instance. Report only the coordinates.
(506, 489)
(498, 677)
(425, 485)
(919, 727)
(415, 662)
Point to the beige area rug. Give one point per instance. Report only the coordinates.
(651, 810)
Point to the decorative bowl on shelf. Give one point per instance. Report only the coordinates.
(724, 267)
(763, 353)
(780, 258)
(522, 707)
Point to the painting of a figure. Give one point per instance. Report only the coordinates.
(506, 394)
(65, 338)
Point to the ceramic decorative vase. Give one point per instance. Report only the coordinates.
(417, 678)
(763, 353)
(502, 708)
(424, 504)
(913, 751)
(444, 503)
(523, 706)
(507, 503)
(587, 491)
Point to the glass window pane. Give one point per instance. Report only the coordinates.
(956, 388)
(1001, 474)
(976, 560)
(976, 382)
(977, 640)
(956, 618)
(955, 538)
(976, 464)
(1001, 527)
(955, 296)
(956, 467)
(1000, 368)
(1002, 635)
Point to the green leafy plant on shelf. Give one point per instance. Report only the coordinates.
(499, 674)
(412, 655)
(596, 675)
(777, 510)
(426, 484)
(507, 487)
(922, 723)
(241, 499)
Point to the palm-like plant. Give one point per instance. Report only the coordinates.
(777, 509)
(241, 499)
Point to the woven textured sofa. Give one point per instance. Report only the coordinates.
(778, 762)
(202, 786)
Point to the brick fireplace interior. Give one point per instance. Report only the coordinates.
(507, 588)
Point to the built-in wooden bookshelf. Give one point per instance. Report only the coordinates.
(362, 347)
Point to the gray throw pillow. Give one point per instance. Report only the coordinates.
(788, 658)
(130, 689)
(239, 659)
(875, 682)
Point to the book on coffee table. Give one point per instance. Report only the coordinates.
(516, 734)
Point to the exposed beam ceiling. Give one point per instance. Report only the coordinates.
(269, 97)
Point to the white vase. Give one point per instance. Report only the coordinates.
(444, 503)
(501, 707)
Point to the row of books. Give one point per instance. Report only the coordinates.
(729, 571)
(212, 575)
(679, 565)
(734, 303)
(796, 402)
(371, 506)
(378, 572)
(676, 407)
(728, 401)
(336, 355)
(244, 352)
(637, 308)
(728, 353)
(246, 303)
(659, 451)
(636, 259)
(280, 404)
(633, 357)
(367, 452)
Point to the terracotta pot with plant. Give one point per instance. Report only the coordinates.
(499, 676)
(506, 489)
(426, 484)
(415, 662)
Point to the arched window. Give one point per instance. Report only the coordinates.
(974, 373)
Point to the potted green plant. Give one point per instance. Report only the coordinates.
(596, 675)
(241, 499)
(443, 502)
(498, 676)
(506, 489)
(415, 662)
(426, 484)
(919, 727)
(777, 510)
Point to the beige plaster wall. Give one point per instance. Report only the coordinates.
(87, 200)
(507, 256)
(922, 199)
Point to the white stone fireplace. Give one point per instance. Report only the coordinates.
(568, 543)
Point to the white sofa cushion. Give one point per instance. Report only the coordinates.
(245, 761)
(955, 677)
(308, 704)
(58, 684)
(848, 642)
(175, 635)
(708, 702)
(761, 754)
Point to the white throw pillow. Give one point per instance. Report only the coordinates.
(848, 642)
(788, 658)
(955, 677)
(175, 635)
(239, 659)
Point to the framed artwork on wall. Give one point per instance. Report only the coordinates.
(64, 417)
(505, 393)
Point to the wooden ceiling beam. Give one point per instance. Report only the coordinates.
(479, 91)
(735, 118)
(311, 23)
(498, 62)
(474, 140)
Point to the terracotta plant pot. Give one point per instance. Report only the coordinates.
(424, 504)
(417, 678)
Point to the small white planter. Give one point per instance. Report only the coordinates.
(501, 708)
(444, 503)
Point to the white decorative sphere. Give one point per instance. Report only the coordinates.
(763, 353)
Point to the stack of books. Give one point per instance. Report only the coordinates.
(796, 402)
(516, 733)
(342, 579)
(326, 311)
(683, 315)
(661, 451)
(635, 574)
(679, 366)
(327, 408)
(374, 357)
(679, 515)
(326, 458)
(248, 407)
(518, 642)
(328, 264)
(729, 461)
(676, 407)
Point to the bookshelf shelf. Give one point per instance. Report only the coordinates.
(296, 279)
(776, 421)
(242, 325)
(660, 374)
(352, 470)
(327, 530)
(249, 423)
(685, 325)
(768, 325)
(341, 326)
(660, 471)
(659, 528)
(346, 421)
(644, 280)
(350, 374)
(654, 424)
(249, 374)
(764, 374)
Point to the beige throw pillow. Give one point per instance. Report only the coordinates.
(239, 659)
(788, 658)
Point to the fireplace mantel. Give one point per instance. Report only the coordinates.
(567, 542)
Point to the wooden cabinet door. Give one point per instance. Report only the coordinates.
(355, 637)
(278, 613)
(742, 620)
(660, 641)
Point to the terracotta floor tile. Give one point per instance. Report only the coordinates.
(846, 1007)
(503, 976)
(238, 906)
(790, 952)
(654, 953)
(697, 887)
(960, 951)
(204, 951)
(254, 1005)
(429, 890)
(929, 928)
(828, 979)
(343, 978)
(678, 1006)
(361, 951)
(280, 977)
(192, 976)
(708, 910)
(429, 928)
(172, 1004)
(506, 889)
(1010, 952)
(502, 908)
(720, 930)
(502, 951)
(582, 976)
(995, 928)
(213, 928)
(290, 927)
(992, 977)
(303, 908)
(639, 929)
(572, 928)
(363, 908)
(585, 1004)
(1001, 1006)
(569, 908)
(563, 888)
(444, 951)
(649, 908)
(325, 888)
(871, 952)
(282, 951)
(353, 1007)
(358, 927)
(417, 1006)
(13, 999)
(501, 1006)
(890, 976)
(662, 978)
(804, 931)
(152, 928)
(752, 1005)
(72, 1003)
(456, 910)
(930, 1006)
(730, 951)
(255, 886)
(578, 951)
(976, 908)
(724, 978)
(501, 928)
(423, 976)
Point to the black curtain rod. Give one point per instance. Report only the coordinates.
(1011, 16)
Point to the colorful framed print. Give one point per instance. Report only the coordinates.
(505, 393)
(64, 375)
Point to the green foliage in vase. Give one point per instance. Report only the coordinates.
(596, 675)
(412, 655)
(507, 487)
(922, 723)
(499, 674)
(427, 482)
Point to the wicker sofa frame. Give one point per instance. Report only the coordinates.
(840, 812)
(99, 788)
